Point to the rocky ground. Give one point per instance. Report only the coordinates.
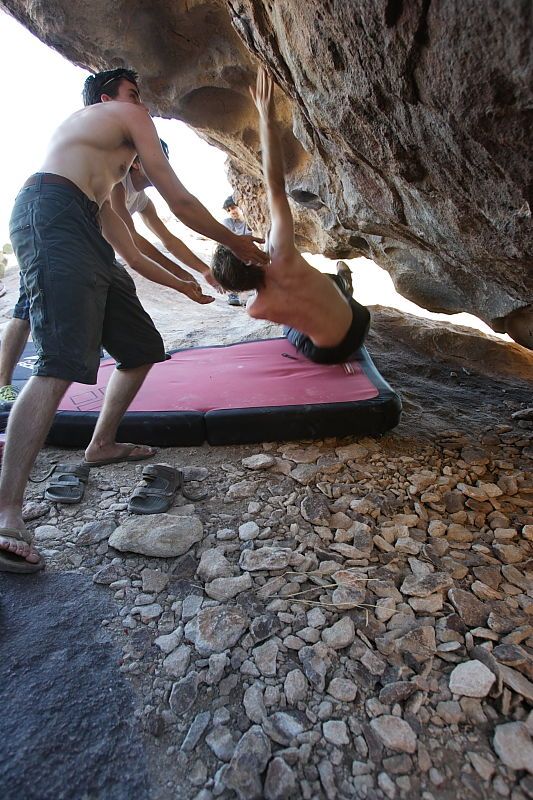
(337, 619)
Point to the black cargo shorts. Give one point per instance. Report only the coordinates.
(80, 299)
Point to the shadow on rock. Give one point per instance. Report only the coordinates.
(67, 722)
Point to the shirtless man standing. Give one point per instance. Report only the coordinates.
(127, 198)
(80, 298)
(323, 323)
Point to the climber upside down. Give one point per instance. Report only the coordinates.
(321, 318)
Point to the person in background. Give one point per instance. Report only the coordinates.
(129, 197)
(236, 223)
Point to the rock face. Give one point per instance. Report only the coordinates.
(403, 125)
(51, 635)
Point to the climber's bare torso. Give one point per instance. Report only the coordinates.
(298, 295)
(295, 294)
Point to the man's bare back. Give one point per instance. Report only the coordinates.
(294, 293)
(321, 318)
(298, 295)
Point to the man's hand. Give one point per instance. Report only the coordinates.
(188, 278)
(263, 94)
(212, 281)
(245, 249)
(193, 291)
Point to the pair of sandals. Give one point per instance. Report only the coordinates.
(69, 480)
(155, 495)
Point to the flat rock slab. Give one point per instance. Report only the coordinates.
(159, 535)
(66, 722)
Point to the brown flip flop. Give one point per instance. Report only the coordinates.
(122, 459)
(10, 562)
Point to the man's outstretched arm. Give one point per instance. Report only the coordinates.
(281, 240)
(118, 202)
(182, 203)
(119, 237)
(174, 245)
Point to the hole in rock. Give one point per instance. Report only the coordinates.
(306, 199)
(336, 55)
(359, 243)
(393, 12)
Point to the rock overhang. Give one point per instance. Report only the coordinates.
(404, 126)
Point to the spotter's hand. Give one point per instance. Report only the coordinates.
(194, 292)
(212, 281)
(245, 249)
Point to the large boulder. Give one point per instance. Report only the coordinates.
(404, 125)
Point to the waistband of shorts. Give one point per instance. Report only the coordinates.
(49, 178)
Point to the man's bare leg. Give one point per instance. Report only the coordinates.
(121, 389)
(29, 422)
(13, 343)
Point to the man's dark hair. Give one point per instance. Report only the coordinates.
(229, 202)
(106, 82)
(233, 274)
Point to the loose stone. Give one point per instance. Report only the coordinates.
(249, 760)
(471, 679)
(160, 535)
(280, 781)
(514, 746)
(248, 531)
(213, 564)
(336, 732)
(266, 558)
(183, 694)
(342, 689)
(213, 630)
(226, 588)
(395, 733)
(340, 635)
(295, 687)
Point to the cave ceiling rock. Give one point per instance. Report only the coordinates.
(406, 127)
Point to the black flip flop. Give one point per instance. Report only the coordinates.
(67, 484)
(156, 494)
